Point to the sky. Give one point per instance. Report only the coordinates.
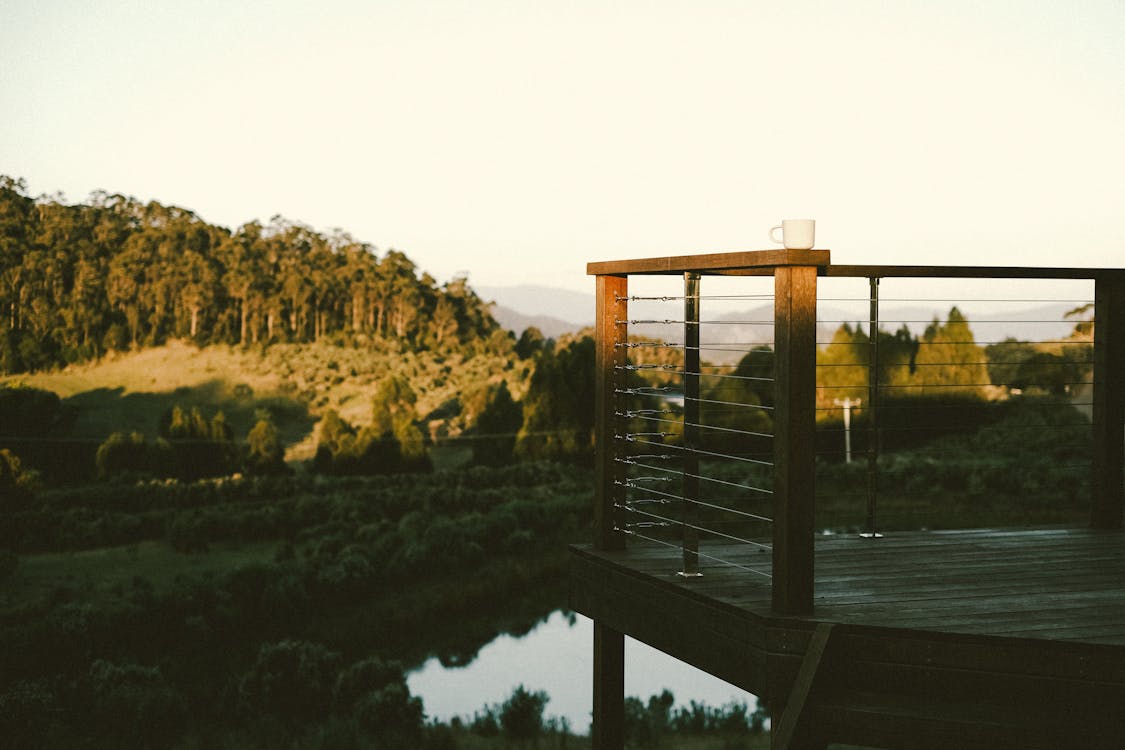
(517, 141)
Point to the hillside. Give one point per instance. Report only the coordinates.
(297, 383)
(115, 274)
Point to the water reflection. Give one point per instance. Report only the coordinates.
(556, 657)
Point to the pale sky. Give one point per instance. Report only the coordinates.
(519, 140)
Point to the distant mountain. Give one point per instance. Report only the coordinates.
(557, 311)
(518, 322)
(1039, 323)
(575, 308)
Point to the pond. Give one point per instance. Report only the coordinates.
(556, 657)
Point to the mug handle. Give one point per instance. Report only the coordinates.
(774, 239)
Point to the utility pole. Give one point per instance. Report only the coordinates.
(847, 403)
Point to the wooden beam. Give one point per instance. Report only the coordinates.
(608, 729)
(761, 263)
(794, 438)
(610, 330)
(1108, 404)
(702, 633)
(711, 262)
(792, 730)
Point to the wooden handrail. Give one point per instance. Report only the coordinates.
(970, 272)
(711, 263)
(762, 262)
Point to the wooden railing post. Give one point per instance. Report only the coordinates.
(610, 330)
(690, 534)
(873, 436)
(608, 730)
(1109, 402)
(794, 435)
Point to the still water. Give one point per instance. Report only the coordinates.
(556, 657)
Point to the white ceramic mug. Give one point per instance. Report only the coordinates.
(796, 234)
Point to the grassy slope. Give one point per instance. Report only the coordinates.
(296, 382)
(95, 572)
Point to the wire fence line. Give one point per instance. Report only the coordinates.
(902, 427)
(704, 416)
(689, 480)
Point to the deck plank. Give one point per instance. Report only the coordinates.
(1062, 584)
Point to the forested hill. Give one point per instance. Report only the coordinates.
(77, 281)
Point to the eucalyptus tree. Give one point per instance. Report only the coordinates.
(401, 290)
(557, 421)
(244, 268)
(114, 273)
(16, 216)
(843, 366)
(949, 360)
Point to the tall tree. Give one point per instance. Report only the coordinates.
(843, 366)
(264, 452)
(949, 360)
(558, 414)
(393, 442)
(494, 434)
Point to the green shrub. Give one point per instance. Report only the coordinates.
(17, 484)
(132, 455)
(9, 562)
(264, 451)
(134, 704)
(391, 713)
(27, 708)
(32, 412)
(521, 716)
(291, 679)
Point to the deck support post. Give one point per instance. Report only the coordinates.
(1109, 402)
(794, 438)
(608, 730)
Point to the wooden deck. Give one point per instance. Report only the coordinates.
(979, 639)
(983, 638)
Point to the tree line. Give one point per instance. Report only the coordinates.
(79, 280)
(945, 360)
(942, 368)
